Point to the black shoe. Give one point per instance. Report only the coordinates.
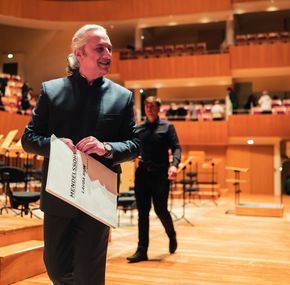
(138, 256)
(172, 244)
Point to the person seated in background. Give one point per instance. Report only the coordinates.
(171, 112)
(276, 102)
(265, 102)
(25, 98)
(181, 112)
(217, 111)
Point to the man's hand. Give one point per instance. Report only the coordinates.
(91, 145)
(70, 144)
(172, 173)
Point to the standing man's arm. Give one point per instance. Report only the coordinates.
(128, 146)
(176, 152)
(36, 138)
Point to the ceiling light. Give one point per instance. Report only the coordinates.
(204, 20)
(250, 141)
(272, 8)
(10, 55)
(240, 11)
(172, 24)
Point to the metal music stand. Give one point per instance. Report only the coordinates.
(183, 197)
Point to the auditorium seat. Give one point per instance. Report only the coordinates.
(285, 36)
(159, 51)
(169, 50)
(179, 49)
(241, 39)
(273, 37)
(200, 48)
(148, 51)
(262, 38)
(251, 38)
(190, 48)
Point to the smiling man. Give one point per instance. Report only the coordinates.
(93, 115)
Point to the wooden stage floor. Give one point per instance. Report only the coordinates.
(220, 249)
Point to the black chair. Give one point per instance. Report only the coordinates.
(18, 200)
(126, 201)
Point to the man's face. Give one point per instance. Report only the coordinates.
(151, 111)
(95, 57)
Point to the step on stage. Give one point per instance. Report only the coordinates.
(262, 210)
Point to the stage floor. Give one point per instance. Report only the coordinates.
(218, 248)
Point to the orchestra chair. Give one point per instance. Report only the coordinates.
(126, 201)
(18, 200)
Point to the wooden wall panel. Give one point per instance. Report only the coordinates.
(202, 133)
(216, 153)
(262, 169)
(260, 161)
(259, 125)
(106, 10)
(175, 67)
(196, 133)
(10, 122)
(259, 56)
(115, 63)
(239, 1)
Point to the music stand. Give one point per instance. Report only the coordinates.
(183, 196)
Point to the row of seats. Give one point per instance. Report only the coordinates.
(164, 50)
(12, 104)
(279, 110)
(244, 39)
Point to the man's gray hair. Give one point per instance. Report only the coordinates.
(79, 40)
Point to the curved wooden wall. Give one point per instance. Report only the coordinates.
(202, 133)
(259, 125)
(218, 132)
(106, 10)
(195, 133)
(175, 67)
(259, 56)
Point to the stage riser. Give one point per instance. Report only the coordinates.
(20, 261)
(203, 195)
(11, 237)
(260, 212)
(16, 229)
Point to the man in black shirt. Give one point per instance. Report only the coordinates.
(153, 174)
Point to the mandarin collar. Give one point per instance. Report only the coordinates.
(96, 83)
(153, 123)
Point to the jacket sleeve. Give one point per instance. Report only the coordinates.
(129, 145)
(36, 138)
(174, 145)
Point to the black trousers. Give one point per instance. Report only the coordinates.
(75, 250)
(151, 187)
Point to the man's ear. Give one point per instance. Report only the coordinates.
(78, 53)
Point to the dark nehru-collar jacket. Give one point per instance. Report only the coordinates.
(157, 138)
(71, 108)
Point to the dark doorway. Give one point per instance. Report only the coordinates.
(10, 68)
